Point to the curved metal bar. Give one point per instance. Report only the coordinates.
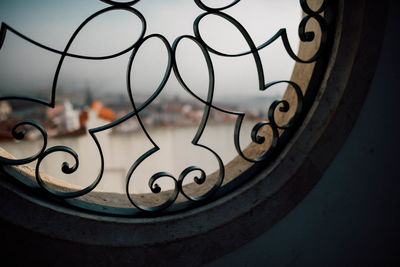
(209, 63)
(68, 170)
(25, 98)
(308, 37)
(3, 32)
(281, 33)
(246, 36)
(130, 3)
(208, 104)
(4, 28)
(154, 187)
(64, 53)
(203, 123)
(64, 167)
(307, 9)
(200, 4)
(284, 106)
(256, 138)
(137, 110)
(19, 135)
(200, 180)
(92, 132)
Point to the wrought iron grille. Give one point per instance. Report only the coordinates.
(279, 137)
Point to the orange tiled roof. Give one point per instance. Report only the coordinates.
(103, 112)
(106, 114)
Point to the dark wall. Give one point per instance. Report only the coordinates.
(352, 216)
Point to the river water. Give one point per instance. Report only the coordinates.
(121, 150)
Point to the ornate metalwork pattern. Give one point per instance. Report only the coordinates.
(280, 133)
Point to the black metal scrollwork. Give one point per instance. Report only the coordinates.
(172, 66)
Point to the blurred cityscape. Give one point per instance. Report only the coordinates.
(78, 110)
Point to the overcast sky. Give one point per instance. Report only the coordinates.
(52, 22)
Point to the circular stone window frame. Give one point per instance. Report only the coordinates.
(193, 237)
